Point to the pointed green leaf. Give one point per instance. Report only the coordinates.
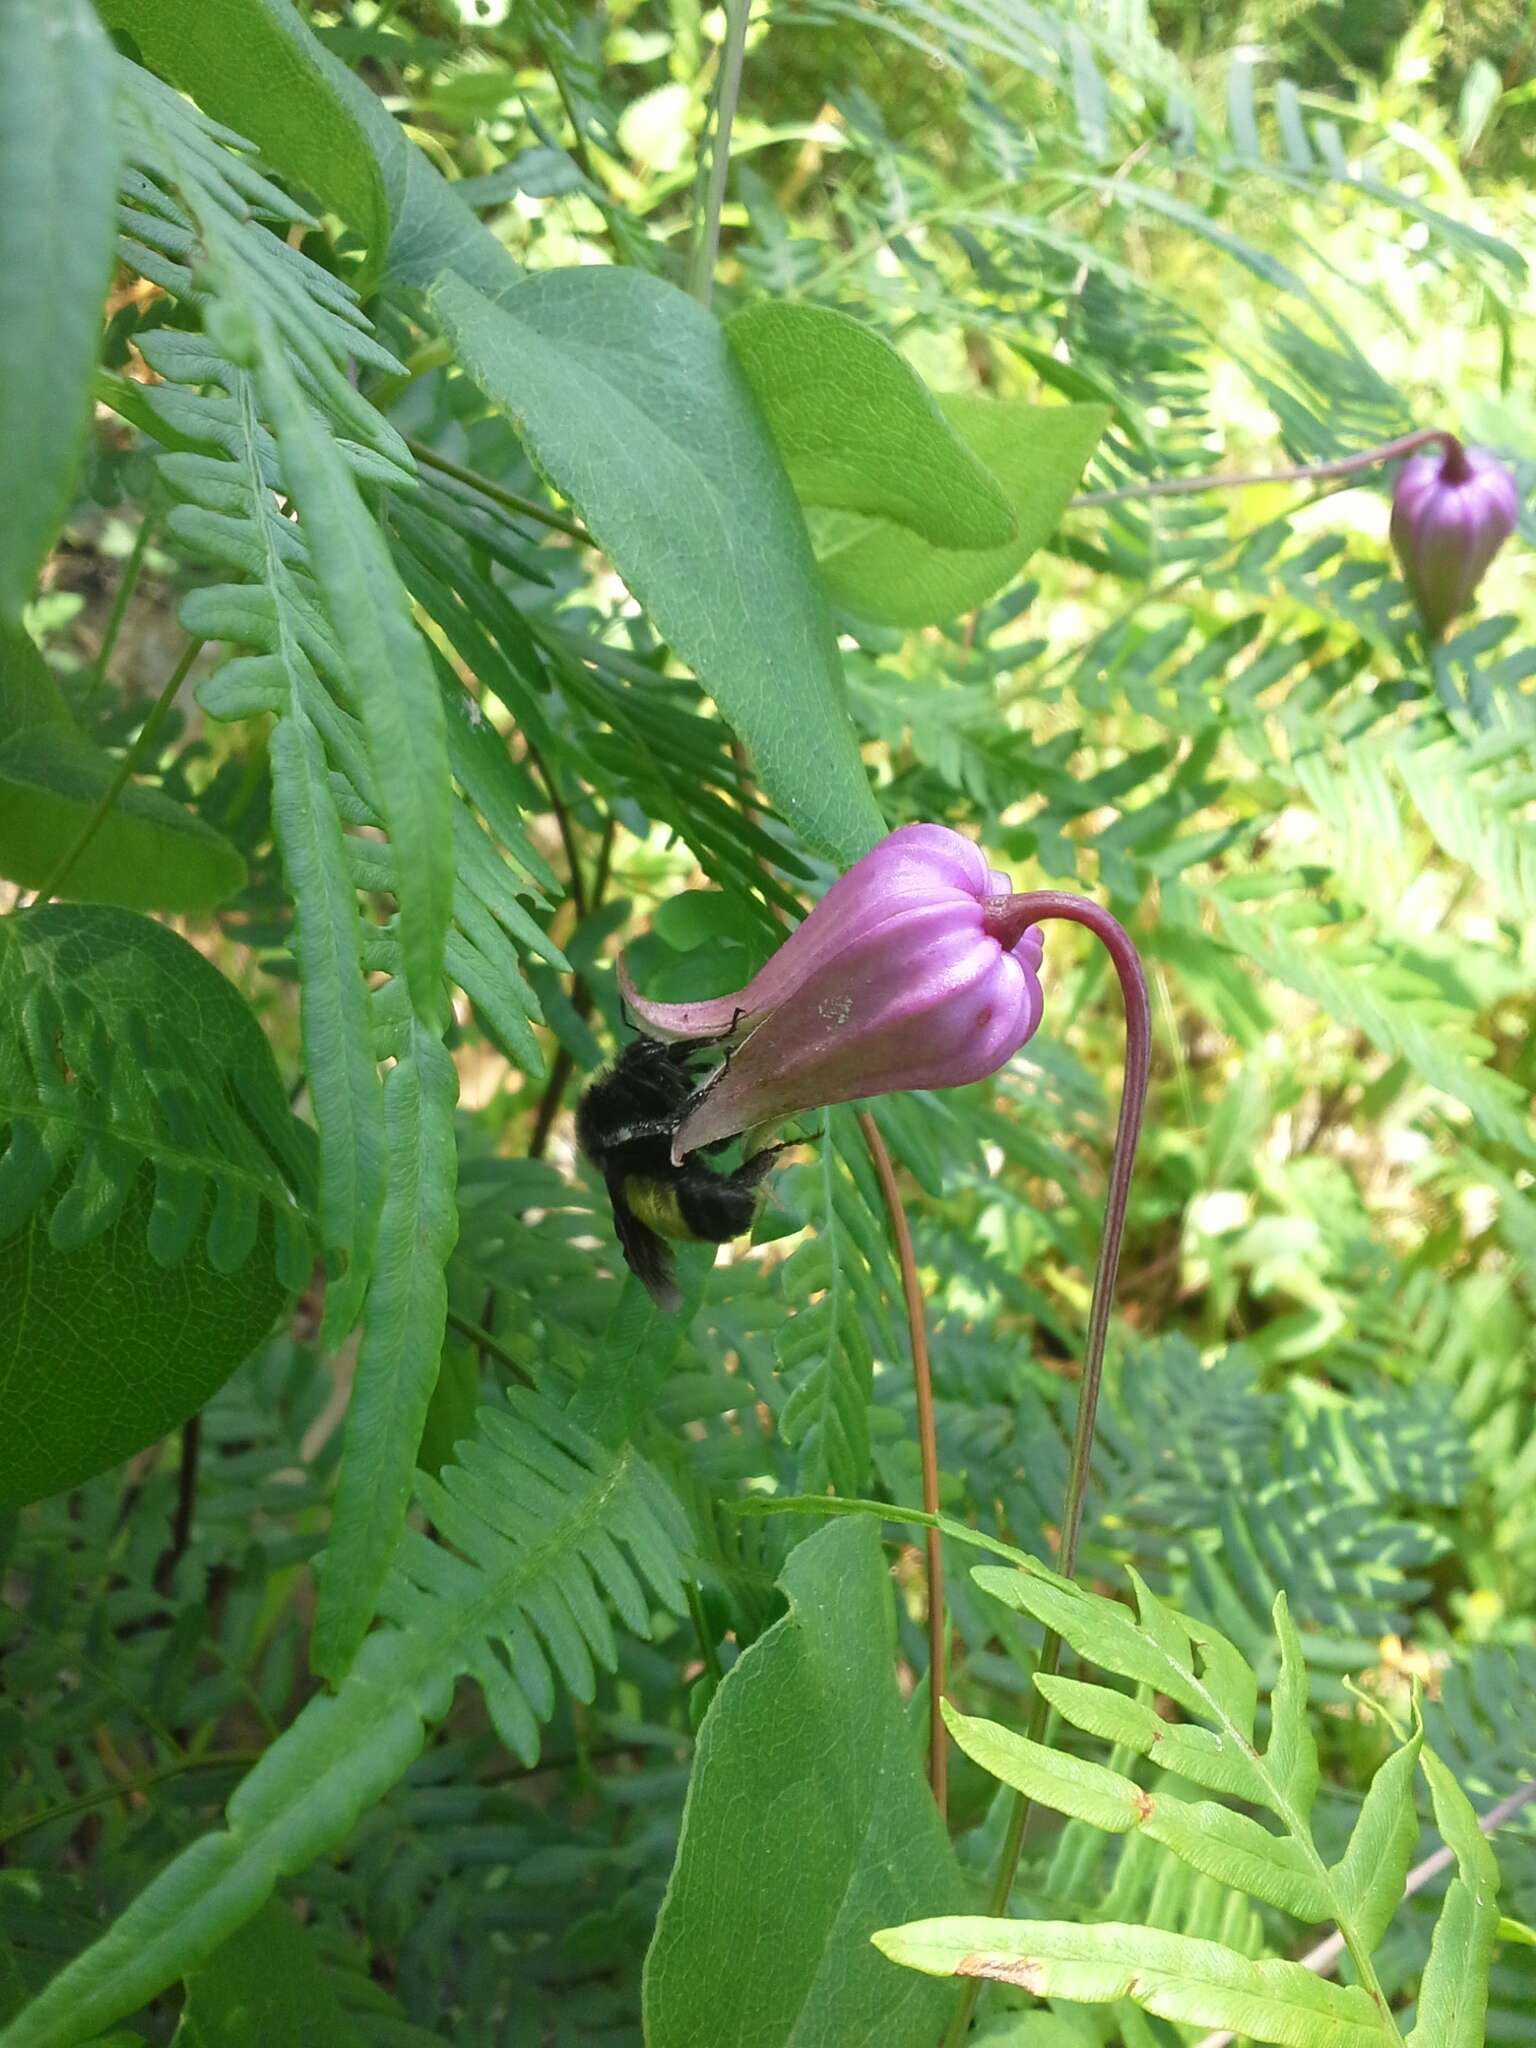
(887, 573)
(1291, 1758)
(629, 400)
(859, 430)
(1453, 1996)
(1368, 1878)
(1065, 1783)
(807, 1821)
(1203, 1755)
(58, 171)
(1175, 1976)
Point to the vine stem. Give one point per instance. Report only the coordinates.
(1309, 472)
(701, 271)
(138, 752)
(1007, 918)
(928, 1452)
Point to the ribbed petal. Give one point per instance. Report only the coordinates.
(918, 864)
(922, 999)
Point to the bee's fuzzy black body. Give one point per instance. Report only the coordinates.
(625, 1125)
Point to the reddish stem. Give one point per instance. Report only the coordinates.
(928, 1452)
(1007, 918)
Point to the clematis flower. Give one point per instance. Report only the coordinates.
(1452, 510)
(915, 970)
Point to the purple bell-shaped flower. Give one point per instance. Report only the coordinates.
(911, 972)
(1452, 510)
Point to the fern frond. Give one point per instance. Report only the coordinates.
(546, 1527)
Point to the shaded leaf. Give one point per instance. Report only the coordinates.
(632, 405)
(148, 1233)
(887, 573)
(807, 1823)
(858, 429)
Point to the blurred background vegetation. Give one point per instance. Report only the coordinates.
(1263, 234)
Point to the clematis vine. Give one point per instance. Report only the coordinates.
(919, 968)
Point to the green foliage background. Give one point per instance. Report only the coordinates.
(434, 1679)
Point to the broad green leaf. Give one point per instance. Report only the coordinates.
(807, 1825)
(562, 1509)
(58, 171)
(889, 574)
(263, 1988)
(629, 400)
(859, 430)
(1453, 1994)
(400, 705)
(150, 853)
(1175, 1976)
(148, 1230)
(402, 1343)
(252, 64)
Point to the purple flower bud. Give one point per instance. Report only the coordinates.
(1452, 510)
(907, 974)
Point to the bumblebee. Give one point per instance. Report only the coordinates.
(625, 1124)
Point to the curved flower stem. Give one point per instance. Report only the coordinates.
(928, 1452)
(1007, 918)
(1309, 472)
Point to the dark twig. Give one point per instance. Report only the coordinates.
(186, 1502)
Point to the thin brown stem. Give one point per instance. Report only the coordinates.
(928, 1452)
(1305, 473)
(1007, 918)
